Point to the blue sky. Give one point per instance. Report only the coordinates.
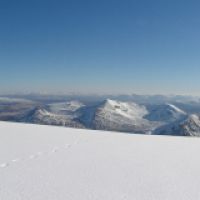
(100, 46)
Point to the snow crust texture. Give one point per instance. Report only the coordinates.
(44, 162)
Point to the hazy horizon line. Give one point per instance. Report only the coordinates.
(94, 94)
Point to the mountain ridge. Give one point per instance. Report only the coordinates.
(109, 114)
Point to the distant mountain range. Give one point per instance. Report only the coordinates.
(164, 117)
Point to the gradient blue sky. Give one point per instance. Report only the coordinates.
(100, 46)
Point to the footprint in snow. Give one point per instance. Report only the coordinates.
(34, 156)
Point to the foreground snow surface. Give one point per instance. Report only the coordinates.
(42, 162)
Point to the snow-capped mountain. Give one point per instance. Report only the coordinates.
(61, 114)
(190, 126)
(125, 116)
(65, 107)
(165, 113)
(43, 116)
(116, 115)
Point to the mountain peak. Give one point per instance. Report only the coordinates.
(166, 112)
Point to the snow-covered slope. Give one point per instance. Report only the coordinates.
(43, 116)
(128, 110)
(165, 113)
(190, 126)
(117, 115)
(65, 107)
(42, 162)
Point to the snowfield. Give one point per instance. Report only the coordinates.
(54, 163)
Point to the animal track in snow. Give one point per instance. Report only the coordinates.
(37, 155)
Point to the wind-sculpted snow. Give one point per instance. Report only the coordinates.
(45, 162)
